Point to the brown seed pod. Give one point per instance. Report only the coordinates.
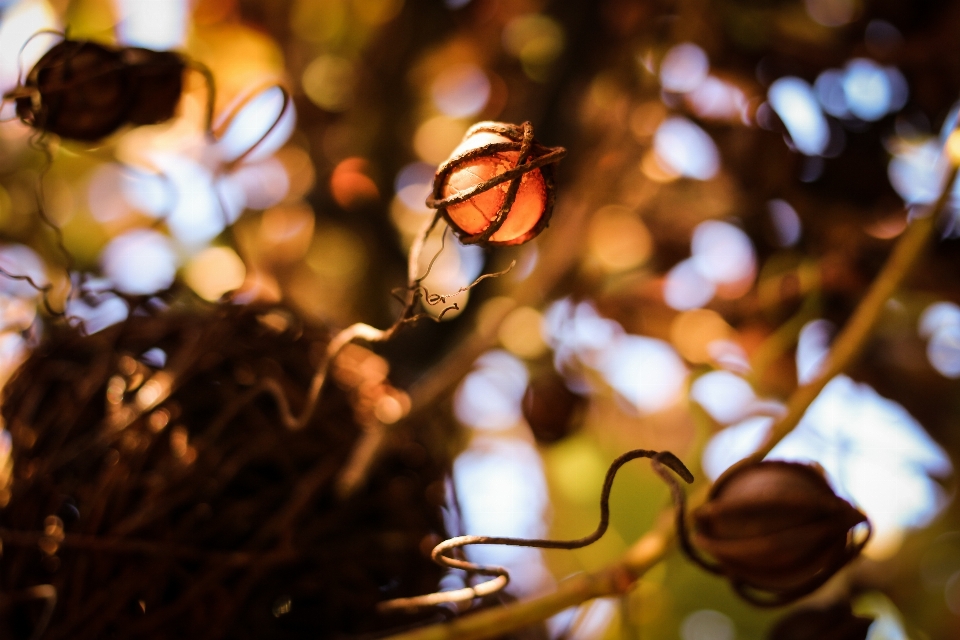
(497, 187)
(550, 407)
(85, 91)
(836, 622)
(774, 528)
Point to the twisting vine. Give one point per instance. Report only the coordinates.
(660, 460)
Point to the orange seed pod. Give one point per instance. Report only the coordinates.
(497, 186)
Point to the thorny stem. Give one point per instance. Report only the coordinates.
(652, 547)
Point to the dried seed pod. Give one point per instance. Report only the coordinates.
(497, 187)
(836, 622)
(550, 407)
(775, 528)
(85, 91)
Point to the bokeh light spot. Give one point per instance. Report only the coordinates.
(830, 92)
(461, 90)
(537, 40)
(215, 271)
(489, 397)
(437, 137)
(786, 222)
(328, 82)
(795, 103)
(717, 99)
(866, 86)
(938, 316)
(502, 491)
(618, 239)
(686, 148)
(725, 396)
(140, 262)
(832, 13)
(707, 624)
(21, 260)
(351, 185)
(723, 254)
(19, 24)
(916, 171)
(693, 332)
(683, 68)
(686, 288)
(153, 25)
(521, 334)
(647, 372)
(813, 345)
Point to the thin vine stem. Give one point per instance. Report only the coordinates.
(855, 333)
(660, 461)
(652, 547)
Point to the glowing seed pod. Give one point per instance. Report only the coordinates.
(497, 186)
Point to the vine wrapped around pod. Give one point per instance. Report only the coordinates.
(497, 187)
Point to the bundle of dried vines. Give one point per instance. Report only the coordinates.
(156, 494)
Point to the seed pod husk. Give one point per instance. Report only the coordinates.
(83, 90)
(550, 407)
(497, 187)
(775, 528)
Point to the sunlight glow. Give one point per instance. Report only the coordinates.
(489, 397)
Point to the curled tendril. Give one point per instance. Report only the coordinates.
(661, 460)
(434, 299)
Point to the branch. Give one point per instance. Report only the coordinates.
(859, 327)
(650, 549)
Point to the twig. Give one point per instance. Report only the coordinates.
(619, 577)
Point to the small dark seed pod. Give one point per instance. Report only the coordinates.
(550, 408)
(775, 528)
(832, 623)
(497, 187)
(156, 80)
(85, 91)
